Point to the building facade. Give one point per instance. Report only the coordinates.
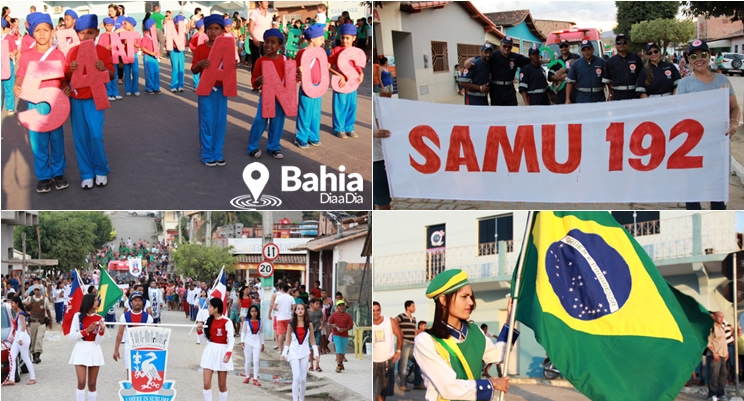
(521, 27)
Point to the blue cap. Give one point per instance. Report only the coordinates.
(132, 21)
(85, 22)
(108, 21)
(273, 32)
(149, 23)
(119, 21)
(227, 22)
(178, 18)
(4, 23)
(34, 19)
(214, 19)
(621, 36)
(71, 13)
(507, 39)
(348, 29)
(649, 45)
(586, 43)
(534, 50)
(199, 24)
(698, 44)
(486, 46)
(136, 294)
(313, 31)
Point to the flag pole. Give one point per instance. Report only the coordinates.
(736, 323)
(210, 290)
(513, 316)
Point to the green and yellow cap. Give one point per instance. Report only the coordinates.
(447, 282)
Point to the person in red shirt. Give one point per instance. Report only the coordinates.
(87, 121)
(48, 147)
(217, 355)
(316, 291)
(344, 104)
(341, 322)
(9, 96)
(152, 57)
(309, 109)
(105, 40)
(273, 39)
(87, 332)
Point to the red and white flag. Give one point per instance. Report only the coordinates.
(73, 303)
(219, 290)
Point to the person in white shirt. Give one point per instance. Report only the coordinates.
(283, 306)
(59, 302)
(155, 293)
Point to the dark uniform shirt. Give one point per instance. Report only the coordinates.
(622, 73)
(478, 75)
(666, 78)
(533, 81)
(503, 70)
(588, 79)
(572, 57)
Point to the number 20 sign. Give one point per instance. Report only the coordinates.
(265, 269)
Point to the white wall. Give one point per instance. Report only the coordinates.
(351, 251)
(390, 20)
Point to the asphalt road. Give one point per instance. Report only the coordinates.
(152, 144)
(134, 227)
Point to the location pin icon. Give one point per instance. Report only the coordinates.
(255, 185)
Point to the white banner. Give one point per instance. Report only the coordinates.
(668, 149)
(135, 266)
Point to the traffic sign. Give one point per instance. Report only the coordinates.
(265, 269)
(270, 251)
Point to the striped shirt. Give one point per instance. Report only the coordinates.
(408, 327)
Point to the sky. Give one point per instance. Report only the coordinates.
(589, 14)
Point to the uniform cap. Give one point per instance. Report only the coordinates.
(447, 282)
(85, 22)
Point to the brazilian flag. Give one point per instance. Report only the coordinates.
(109, 292)
(606, 317)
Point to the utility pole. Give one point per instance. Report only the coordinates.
(178, 216)
(208, 234)
(267, 284)
(23, 257)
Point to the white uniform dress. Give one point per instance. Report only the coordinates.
(221, 342)
(298, 355)
(87, 353)
(252, 343)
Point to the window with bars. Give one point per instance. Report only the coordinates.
(491, 230)
(466, 51)
(439, 56)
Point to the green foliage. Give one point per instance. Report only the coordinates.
(663, 31)
(632, 12)
(732, 9)
(201, 262)
(68, 237)
(184, 228)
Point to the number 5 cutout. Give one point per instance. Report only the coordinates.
(31, 90)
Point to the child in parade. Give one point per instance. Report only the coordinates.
(273, 40)
(212, 108)
(245, 302)
(131, 71)
(297, 350)
(87, 331)
(87, 121)
(342, 323)
(252, 338)
(20, 342)
(195, 41)
(152, 65)
(309, 109)
(344, 104)
(136, 315)
(177, 61)
(112, 91)
(70, 18)
(48, 147)
(317, 318)
(203, 312)
(217, 354)
(8, 95)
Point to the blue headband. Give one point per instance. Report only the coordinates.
(132, 21)
(34, 19)
(273, 32)
(108, 21)
(149, 23)
(314, 31)
(71, 13)
(199, 24)
(348, 29)
(178, 19)
(85, 22)
(214, 19)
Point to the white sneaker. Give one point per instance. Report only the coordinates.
(101, 180)
(713, 398)
(136, 93)
(111, 98)
(87, 184)
(174, 90)
(129, 93)
(118, 97)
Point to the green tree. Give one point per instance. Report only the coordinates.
(632, 12)
(732, 9)
(201, 262)
(663, 32)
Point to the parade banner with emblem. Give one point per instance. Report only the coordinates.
(135, 266)
(666, 149)
(149, 361)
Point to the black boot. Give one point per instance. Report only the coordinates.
(36, 357)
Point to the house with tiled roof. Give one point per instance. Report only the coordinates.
(520, 25)
(423, 40)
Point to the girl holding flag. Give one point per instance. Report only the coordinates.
(252, 338)
(87, 332)
(217, 354)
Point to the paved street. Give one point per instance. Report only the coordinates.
(135, 227)
(152, 144)
(56, 379)
(736, 187)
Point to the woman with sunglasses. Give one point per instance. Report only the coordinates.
(703, 79)
(87, 331)
(658, 77)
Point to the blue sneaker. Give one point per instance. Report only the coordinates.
(300, 144)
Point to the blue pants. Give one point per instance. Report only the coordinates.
(87, 132)
(276, 126)
(212, 125)
(308, 119)
(59, 311)
(196, 80)
(131, 76)
(194, 310)
(111, 88)
(344, 111)
(8, 95)
(48, 148)
(177, 61)
(152, 74)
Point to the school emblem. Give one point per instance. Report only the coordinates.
(697, 42)
(148, 360)
(668, 74)
(598, 71)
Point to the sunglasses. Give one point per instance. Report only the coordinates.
(562, 46)
(621, 43)
(506, 46)
(652, 52)
(694, 56)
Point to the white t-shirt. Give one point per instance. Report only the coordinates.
(284, 304)
(59, 295)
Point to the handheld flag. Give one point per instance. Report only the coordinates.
(219, 290)
(109, 292)
(602, 310)
(73, 303)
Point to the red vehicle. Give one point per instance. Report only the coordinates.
(575, 36)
